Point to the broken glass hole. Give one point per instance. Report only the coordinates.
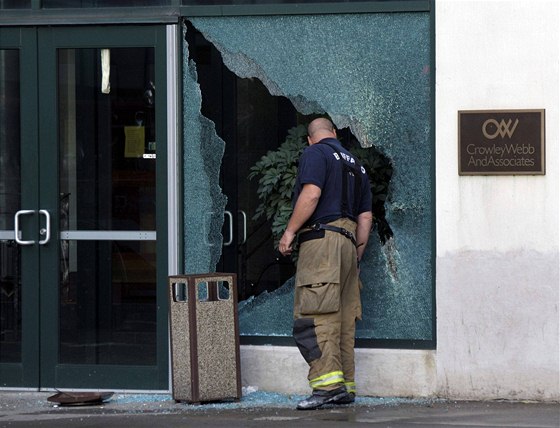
(255, 124)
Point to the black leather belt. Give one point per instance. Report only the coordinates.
(318, 231)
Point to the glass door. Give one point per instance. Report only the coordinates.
(100, 244)
(19, 257)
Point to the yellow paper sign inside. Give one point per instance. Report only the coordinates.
(134, 138)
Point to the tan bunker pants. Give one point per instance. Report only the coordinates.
(326, 306)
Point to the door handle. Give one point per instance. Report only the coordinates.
(16, 227)
(47, 230)
(244, 226)
(230, 216)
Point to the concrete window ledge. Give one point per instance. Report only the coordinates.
(379, 372)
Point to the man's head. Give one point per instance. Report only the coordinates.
(318, 129)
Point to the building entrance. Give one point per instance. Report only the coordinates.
(83, 247)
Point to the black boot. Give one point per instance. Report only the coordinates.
(320, 397)
(347, 399)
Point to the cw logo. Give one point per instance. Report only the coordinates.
(502, 129)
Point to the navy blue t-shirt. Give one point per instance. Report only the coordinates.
(320, 165)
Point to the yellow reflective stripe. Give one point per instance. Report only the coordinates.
(327, 379)
(350, 386)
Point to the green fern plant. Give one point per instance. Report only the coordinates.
(277, 171)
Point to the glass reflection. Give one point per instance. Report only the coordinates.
(10, 179)
(10, 302)
(107, 153)
(10, 201)
(108, 303)
(107, 293)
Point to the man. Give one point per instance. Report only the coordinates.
(332, 214)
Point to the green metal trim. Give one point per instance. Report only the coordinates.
(108, 377)
(92, 16)
(107, 37)
(48, 199)
(308, 8)
(10, 38)
(11, 375)
(30, 200)
(173, 14)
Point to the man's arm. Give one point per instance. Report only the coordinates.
(362, 232)
(305, 206)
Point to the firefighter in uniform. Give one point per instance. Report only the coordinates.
(332, 219)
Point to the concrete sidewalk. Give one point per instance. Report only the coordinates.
(258, 409)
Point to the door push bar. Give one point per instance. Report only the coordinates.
(244, 226)
(44, 231)
(17, 232)
(47, 229)
(229, 215)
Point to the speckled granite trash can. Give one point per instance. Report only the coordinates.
(204, 337)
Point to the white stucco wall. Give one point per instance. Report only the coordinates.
(497, 236)
(497, 261)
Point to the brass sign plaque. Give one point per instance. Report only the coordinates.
(494, 142)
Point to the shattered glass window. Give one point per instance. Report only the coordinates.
(250, 83)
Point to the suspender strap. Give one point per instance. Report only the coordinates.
(346, 171)
(317, 230)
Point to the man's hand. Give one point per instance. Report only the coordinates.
(305, 206)
(285, 245)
